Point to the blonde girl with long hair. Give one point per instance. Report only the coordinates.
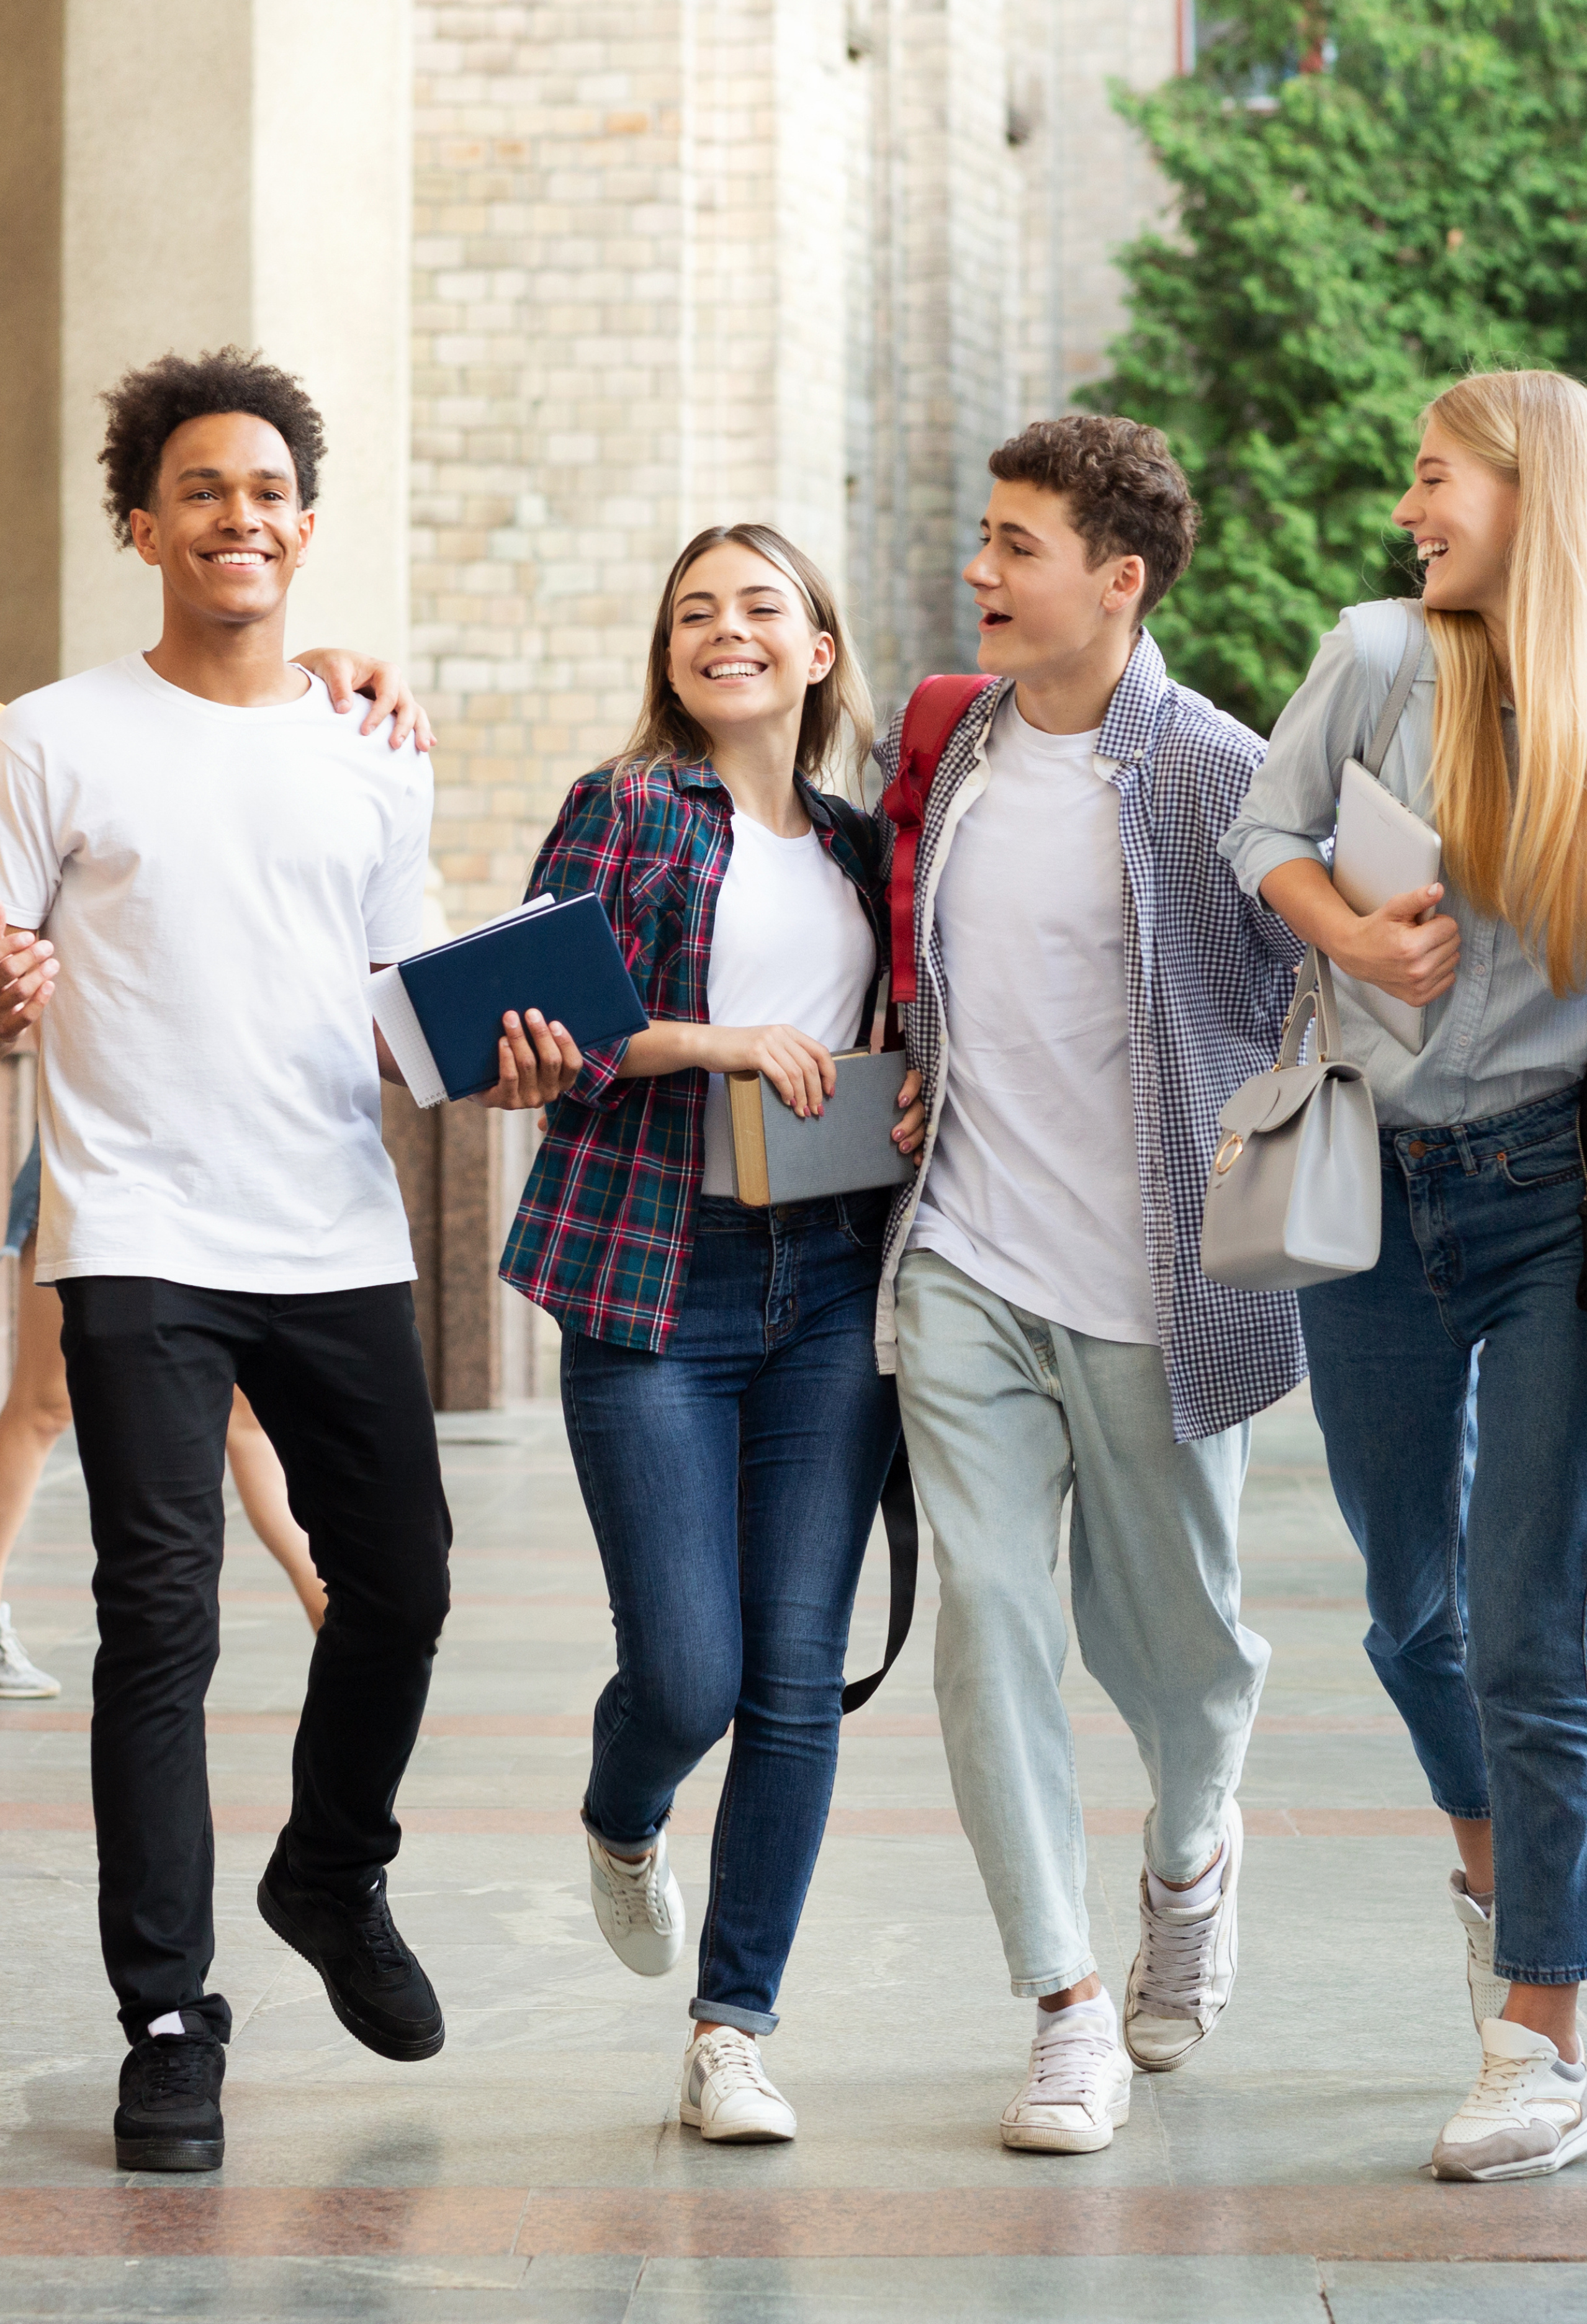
(1451, 1381)
(728, 1425)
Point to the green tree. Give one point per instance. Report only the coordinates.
(1373, 197)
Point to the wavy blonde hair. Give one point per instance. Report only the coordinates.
(838, 723)
(1521, 858)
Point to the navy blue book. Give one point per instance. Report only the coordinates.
(441, 1011)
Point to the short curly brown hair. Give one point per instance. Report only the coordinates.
(1128, 495)
(147, 407)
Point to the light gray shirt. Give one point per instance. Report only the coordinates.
(1499, 1039)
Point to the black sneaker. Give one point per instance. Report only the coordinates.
(169, 2119)
(374, 1984)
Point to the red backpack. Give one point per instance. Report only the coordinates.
(934, 709)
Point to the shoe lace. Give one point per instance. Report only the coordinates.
(178, 2068)
(635, 1890)
(1496, 2093)
(1173, 1960)
(376, 1936)
(734, 2062)
(1066, 2066)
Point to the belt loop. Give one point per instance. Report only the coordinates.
(1462, 1146)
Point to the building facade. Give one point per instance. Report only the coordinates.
(804, 261)
(570, 279)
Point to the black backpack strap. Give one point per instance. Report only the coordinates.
(863, 837)
(903, 1557)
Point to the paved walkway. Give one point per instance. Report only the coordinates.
(536, 2169)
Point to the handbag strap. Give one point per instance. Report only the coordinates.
(903, 1558)
(1313, 997)
(1399, 693)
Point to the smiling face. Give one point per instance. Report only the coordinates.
(743, 649)
(1461, 514)
(226, 531)
(1039, 601)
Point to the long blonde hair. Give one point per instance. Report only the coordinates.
(1521, 858)
(838, 702)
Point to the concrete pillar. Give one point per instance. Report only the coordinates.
(182, 173)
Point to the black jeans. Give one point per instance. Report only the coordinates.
(338, 1380)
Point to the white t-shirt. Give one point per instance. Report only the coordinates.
(790, 946)
(216, 881)
(1033, 1189)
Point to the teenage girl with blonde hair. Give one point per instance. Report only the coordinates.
(727, 1421)
(1451, 1381)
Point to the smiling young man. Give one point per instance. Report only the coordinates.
(218, 859)
(1092, 986)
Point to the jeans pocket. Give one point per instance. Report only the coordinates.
(1552, 1161)
(862, 1219)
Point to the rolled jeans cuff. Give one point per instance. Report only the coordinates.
(722, 2013)
(1031, 1988)
(622, 1846)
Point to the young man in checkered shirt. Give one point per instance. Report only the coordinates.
(1091, 986)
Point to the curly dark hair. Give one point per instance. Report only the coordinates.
(1127, 493)
(147, 407)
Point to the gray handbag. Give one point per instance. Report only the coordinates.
(1294, 1194)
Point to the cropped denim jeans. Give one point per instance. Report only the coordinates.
(1451, 1385)
(731, 1484)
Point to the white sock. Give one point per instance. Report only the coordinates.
(1205, 1891)
(1098, 2011)
(171, 2022)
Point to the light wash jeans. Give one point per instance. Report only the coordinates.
(1004, 1416)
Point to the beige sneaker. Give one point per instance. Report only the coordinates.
(1077, 2093)
(726, 2093)
(1526, 2114)
(1489, 1993)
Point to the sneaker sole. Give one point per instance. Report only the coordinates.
(1033, 2140)
(385, 2045)
(690, 2119)
(1535, 2166)
(29, 1693)
(169, 2154)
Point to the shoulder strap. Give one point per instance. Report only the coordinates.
(903, 1557)
(1399, 693)
(934, 711)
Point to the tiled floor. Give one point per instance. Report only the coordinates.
(536, 2169)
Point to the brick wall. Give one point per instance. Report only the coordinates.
(683, 261)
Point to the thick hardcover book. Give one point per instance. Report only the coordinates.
(441, 1010)
(778, 1158)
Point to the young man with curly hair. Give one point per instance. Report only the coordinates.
(1091, 985)
(219, 859)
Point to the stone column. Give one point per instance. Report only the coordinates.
(178, 173)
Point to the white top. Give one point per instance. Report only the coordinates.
(790, 946)
(1033, 1188)
(216, 882)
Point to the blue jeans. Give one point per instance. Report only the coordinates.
(731, 1484)
(1451, 1385)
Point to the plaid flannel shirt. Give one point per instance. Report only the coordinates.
(605, 1227)
(1211, 974)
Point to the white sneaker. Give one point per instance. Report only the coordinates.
(726, 2094)
(1489, 1993)
(639, 1906)
(1526, 2114)
(1078, 2089)
(19, 1678)
(1183, 1973)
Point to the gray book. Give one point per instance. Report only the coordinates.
(778, 1158)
